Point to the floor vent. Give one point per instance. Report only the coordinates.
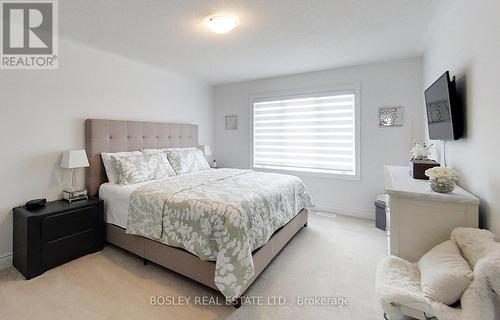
(326, 214)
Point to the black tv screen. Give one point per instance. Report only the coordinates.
(443, 114)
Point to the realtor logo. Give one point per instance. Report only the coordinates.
(29, 35)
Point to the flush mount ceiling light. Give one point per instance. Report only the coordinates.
(222, 24)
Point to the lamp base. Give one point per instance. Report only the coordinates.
(74, 195)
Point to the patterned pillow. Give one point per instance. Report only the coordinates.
(141, 168)
(187, 160)
(110, 167)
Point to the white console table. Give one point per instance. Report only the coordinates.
(419, 218)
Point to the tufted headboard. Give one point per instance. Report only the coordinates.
(118, 136)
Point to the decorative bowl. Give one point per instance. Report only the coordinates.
(442, 185)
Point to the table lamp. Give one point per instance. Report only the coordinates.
(208, 152)
(74, 159)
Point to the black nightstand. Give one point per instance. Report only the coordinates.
(56, 234)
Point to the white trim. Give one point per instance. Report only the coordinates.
(345, 211)
(309, 173)
(308, 92)
(5, 261)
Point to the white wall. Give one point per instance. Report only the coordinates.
(43, 113)
(382, 84)
(465, 41)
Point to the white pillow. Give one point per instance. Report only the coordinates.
(108, 163)
(152, 151)
(444, 273)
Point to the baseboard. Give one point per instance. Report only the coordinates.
(345, 211)
(5, 261)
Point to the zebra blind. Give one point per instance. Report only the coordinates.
(314, 133)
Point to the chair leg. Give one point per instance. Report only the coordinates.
(393, 316)
(392, 311)
(237, 303)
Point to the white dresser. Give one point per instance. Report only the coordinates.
(419, 218)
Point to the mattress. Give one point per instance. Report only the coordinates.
(116, 201)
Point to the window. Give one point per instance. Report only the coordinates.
(311, 133)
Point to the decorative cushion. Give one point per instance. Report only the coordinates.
(473, 243)
(187, 160)
(109, 166)
(445, 274)
(141, 168)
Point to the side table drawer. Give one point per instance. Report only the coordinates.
(67, 223)
(60, 251)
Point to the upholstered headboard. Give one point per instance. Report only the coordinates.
(117, 136)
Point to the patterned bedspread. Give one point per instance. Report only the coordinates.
(219, 215)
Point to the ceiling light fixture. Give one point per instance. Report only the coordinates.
(222, 24)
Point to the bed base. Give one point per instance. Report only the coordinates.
(189, 265)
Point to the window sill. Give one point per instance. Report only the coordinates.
(324, 175)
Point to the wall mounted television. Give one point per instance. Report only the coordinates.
(444, 114)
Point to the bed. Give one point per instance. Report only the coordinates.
(160, 242)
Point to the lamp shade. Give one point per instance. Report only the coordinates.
(207, 150)
(74, 159)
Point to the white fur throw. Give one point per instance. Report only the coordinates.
(445, 274)
(398, 281)
(473, 243)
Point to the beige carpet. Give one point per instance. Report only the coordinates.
(334, 257)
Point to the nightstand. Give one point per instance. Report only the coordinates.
(56, 234)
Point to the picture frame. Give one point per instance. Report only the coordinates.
(390, 116)
(232, 122)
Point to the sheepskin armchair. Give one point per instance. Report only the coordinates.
(399, 289)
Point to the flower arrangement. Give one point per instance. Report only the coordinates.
(441, 172)
(442, 179)
(420, 151)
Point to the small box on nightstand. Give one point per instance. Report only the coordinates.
(74, 195)
(418, 167)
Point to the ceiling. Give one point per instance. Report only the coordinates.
(275, 37)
